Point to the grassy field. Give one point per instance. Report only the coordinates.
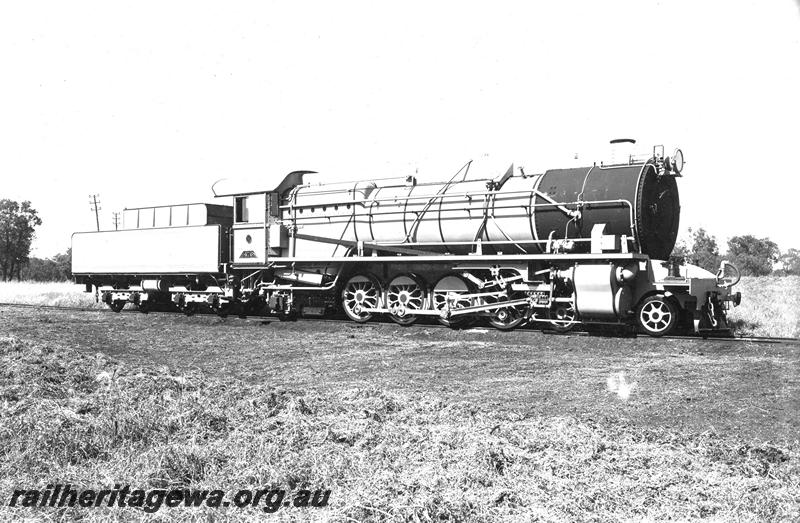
(60, 294)
(770, 305)
(90, 420)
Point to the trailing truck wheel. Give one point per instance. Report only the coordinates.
(362, 291)
(406, 292)
(562, 317)
(446, 295)
(657, 315)
(507, 318)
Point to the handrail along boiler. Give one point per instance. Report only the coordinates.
(565, 247)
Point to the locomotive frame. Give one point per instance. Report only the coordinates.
(313, 248)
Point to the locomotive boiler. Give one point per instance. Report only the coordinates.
(556, 249)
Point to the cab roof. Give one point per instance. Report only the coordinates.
(234, 187)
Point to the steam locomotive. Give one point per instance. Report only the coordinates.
(575, 246)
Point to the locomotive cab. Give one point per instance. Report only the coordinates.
(257, 234)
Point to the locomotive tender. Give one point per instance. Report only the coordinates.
(566, 247)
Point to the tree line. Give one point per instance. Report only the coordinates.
(18, 221)
(57, 268)
(751, 255)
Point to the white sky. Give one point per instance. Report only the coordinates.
(151, 102)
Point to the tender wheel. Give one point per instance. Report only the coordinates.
(446, 292)
(239, 309)
(144, 307)
(222, 309)
(288, 316)
(657, 315)
(508, 318)
(189, 309)
(405, 293)
(562, 317)
(362, 291)
(116, 306)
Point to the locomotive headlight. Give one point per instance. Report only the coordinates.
(677, 162)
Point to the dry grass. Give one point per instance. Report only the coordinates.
(93, 421)
(59, 294)
(770, 307)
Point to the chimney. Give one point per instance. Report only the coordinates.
(621, 150)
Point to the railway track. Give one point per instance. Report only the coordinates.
(387, 322)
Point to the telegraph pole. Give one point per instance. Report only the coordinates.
(116, 221)
(95, 206)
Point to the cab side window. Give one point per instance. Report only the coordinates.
(240, 209)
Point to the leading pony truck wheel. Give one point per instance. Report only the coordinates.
(657, 315)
